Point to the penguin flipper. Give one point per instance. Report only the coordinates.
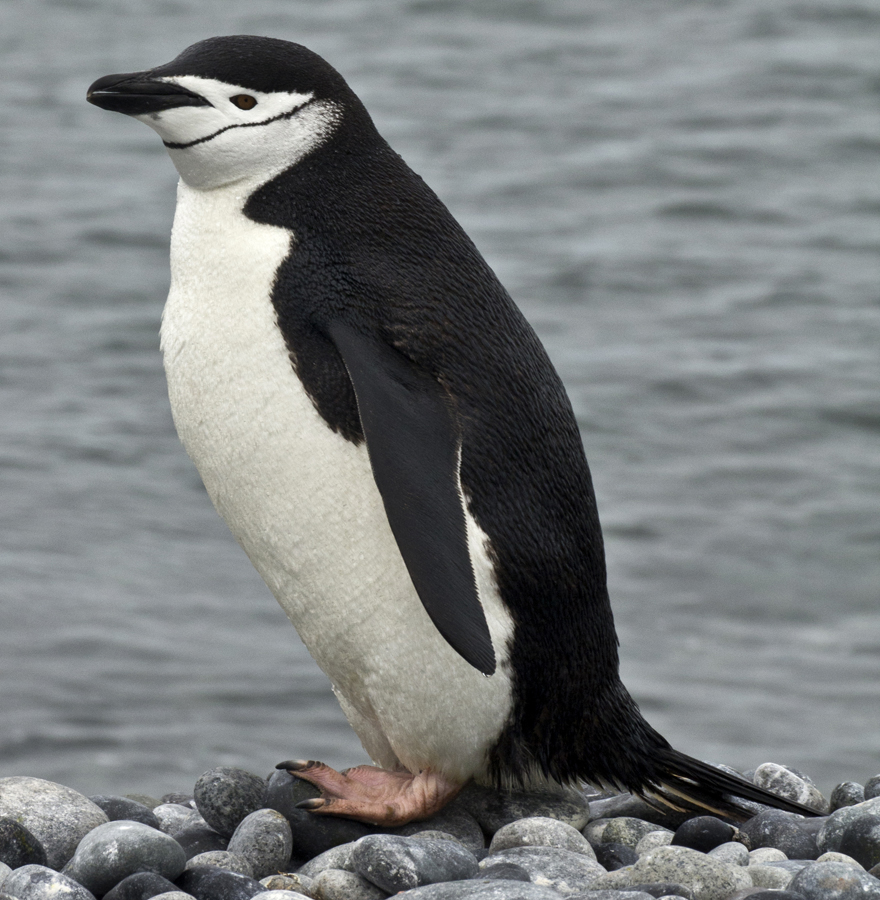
(414, 448)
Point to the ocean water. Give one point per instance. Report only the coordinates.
(684, 198)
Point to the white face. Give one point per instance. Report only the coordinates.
(227, 142)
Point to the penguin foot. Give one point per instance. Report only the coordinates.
(373, 795)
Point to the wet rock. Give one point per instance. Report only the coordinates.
(311, 835)
(539, 831)
(832, 831)
(334, 858)
(495, 809)
(861, 840)
(173, 818)
(703, 833)
(775, 828)
(503, 872)
(627, 831)
(222, 859)
(613, 856)
(872, 788)
(56, 816)
(200, 838)
(114, 850)
(847, 793)
(140, 886)
(18, 847)
(480, 890)
(786, 782)
(117, 808)
(835, 881)
(337, 884)
(225, 795)
(265, 840)
(733, 853)
(652, 840)
(210, 883)
(452, 820)
(563, 870)
(395, 863)
(42, 883)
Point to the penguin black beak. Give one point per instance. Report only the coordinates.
(137, 93)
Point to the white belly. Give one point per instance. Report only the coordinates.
(302, 502)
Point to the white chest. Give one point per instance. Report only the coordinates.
(302, 502)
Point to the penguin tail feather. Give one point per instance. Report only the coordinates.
(686, 784)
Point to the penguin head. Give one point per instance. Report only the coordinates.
(233, 109)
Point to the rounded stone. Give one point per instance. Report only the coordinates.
(265, 840)
(835, 881)
(733, 853)
(196, 839)
(785, 782)
(661, 889)
(226, 795)
(627, 831)
(396, 863)
(112, 851)
(173, 895)
(831, 833)
(872, 787)
(118, 808)
(299, 884)
(861, 840)
(179, 798)
(540, 831)
(482, 890)
(494, 809)
(562, 870)
(769, 877)
(708, 879)
(337, 884)
(222, 859)
(833, 856)
(613, 856)
(652, 840)
(775, 828)
(210, 883)
(503, 872)
(764, 855)
(5, 870)
(173, 818)
(57, 816)
(847, 793)
(18, 847)
(335, 858)
(144, 800)
(452, 820)
(703, 833)
(43, 883)
(760, 894)
(140, 886)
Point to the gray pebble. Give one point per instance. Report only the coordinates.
(396, 863)
(835, 881)
(635, 808)
(771, 877)
(652, 840)
(539, 831)
(264, 839)
(615, 856)
(764, 855)
(4, 871)
(861, 840)
(627, 831)
(173, 818)
(783, 830)
(210, 883)
(42, 883)
(831, 833)
(337, 884)
(221, 859)
(140, 886)
(785, 782)
(144, 800)
(872, 787)
(502, 872)
(664, 889)
(454, 820)
(733, 853)
(225, 795)
(334, 858)
(277, 895)
(299, 884)
(18, 847)
(117, 808)
(197, 839)
(847, 793)
(172, 895)
(480, 890)
(56, 816)
(433, 836)
(833, 856)
(609, 894)
(495, 809)
(562, 870)
(112, 851)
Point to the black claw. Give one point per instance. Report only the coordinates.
(314, 803)
(296, 765)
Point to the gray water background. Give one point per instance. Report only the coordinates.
(684, 198)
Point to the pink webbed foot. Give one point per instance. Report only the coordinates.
(373, 795)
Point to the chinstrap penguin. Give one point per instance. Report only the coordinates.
(388, 441)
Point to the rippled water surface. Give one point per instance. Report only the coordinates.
(684, 198)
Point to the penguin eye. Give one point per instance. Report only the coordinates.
(243, 101)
